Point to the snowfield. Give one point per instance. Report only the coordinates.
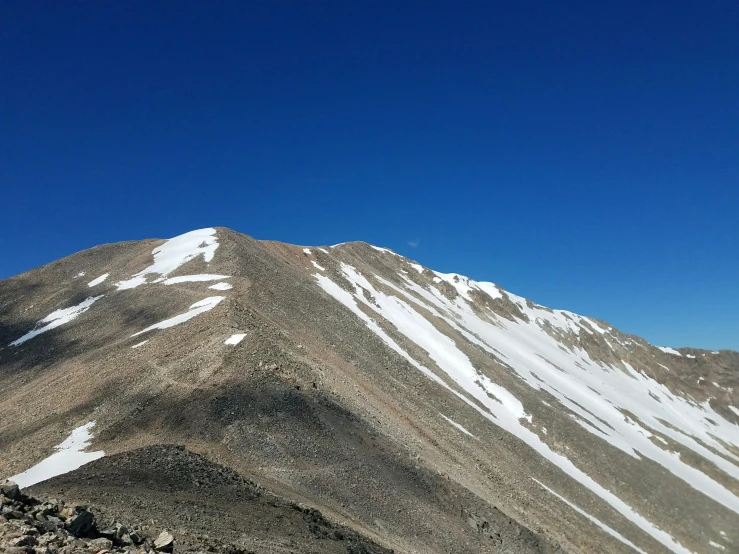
(69, 455)
(598, 396)
(173, 253)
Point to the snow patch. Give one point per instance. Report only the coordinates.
(69, 456)
(417, 267)
(318, 266)
(599, 523)
(173, 253)
(221, 286)
(595, 326)
(142, 343)
(99, 280)
(669, 350)
(306, 251)
(717, 545)
(458, 426)
(384, 250)
(196, 309)
(57, 318)
(194, 278)
(235, 339)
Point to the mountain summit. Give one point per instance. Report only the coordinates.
(420, 411)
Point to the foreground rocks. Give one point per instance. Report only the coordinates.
(32, 526)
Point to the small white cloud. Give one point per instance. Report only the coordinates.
(414, 243)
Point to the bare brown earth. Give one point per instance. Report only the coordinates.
(318, 411)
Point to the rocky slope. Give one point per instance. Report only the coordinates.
(208, 507)
(423, 411)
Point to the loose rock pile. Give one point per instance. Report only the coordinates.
(32, 526)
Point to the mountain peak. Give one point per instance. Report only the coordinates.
(340, 373)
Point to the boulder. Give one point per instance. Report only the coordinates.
(11, 490)
(81, 524)
(135, 537)
(100, 544)
(164, 542)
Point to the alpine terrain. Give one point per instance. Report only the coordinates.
(213, 392)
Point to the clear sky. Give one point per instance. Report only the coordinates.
(582, 154)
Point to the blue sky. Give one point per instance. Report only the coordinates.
(582, 154)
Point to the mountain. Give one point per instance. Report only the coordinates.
(425, 412)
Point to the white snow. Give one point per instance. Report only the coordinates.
(458, 426)
(306, 251)
(572, 377)
(690, 356)
(543, 363)
(318, 266)
(599, 523)
(491, 289)
(384, 250)
(99, 280)
(196, 309)
(173, 253)
(235, 339)
(417, 267)
(142, 343)
(717, 545)
(462, 284)
(221, 286)
(595, 326)
(194, 278)
(669, 350)
(80, 274)
(735, 410)
(57, 318)
(69, 456)
(323, 250)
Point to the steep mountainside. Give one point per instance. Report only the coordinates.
(425, 411)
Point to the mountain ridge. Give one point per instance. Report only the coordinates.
(419, 357)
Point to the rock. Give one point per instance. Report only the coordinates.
(100, 544)
(108, 533)
(11, 490)
(47, 527)
(25, 540)
(135, 537)
(81, 524)
(28, 530)
(164, 542)
(13, 514)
